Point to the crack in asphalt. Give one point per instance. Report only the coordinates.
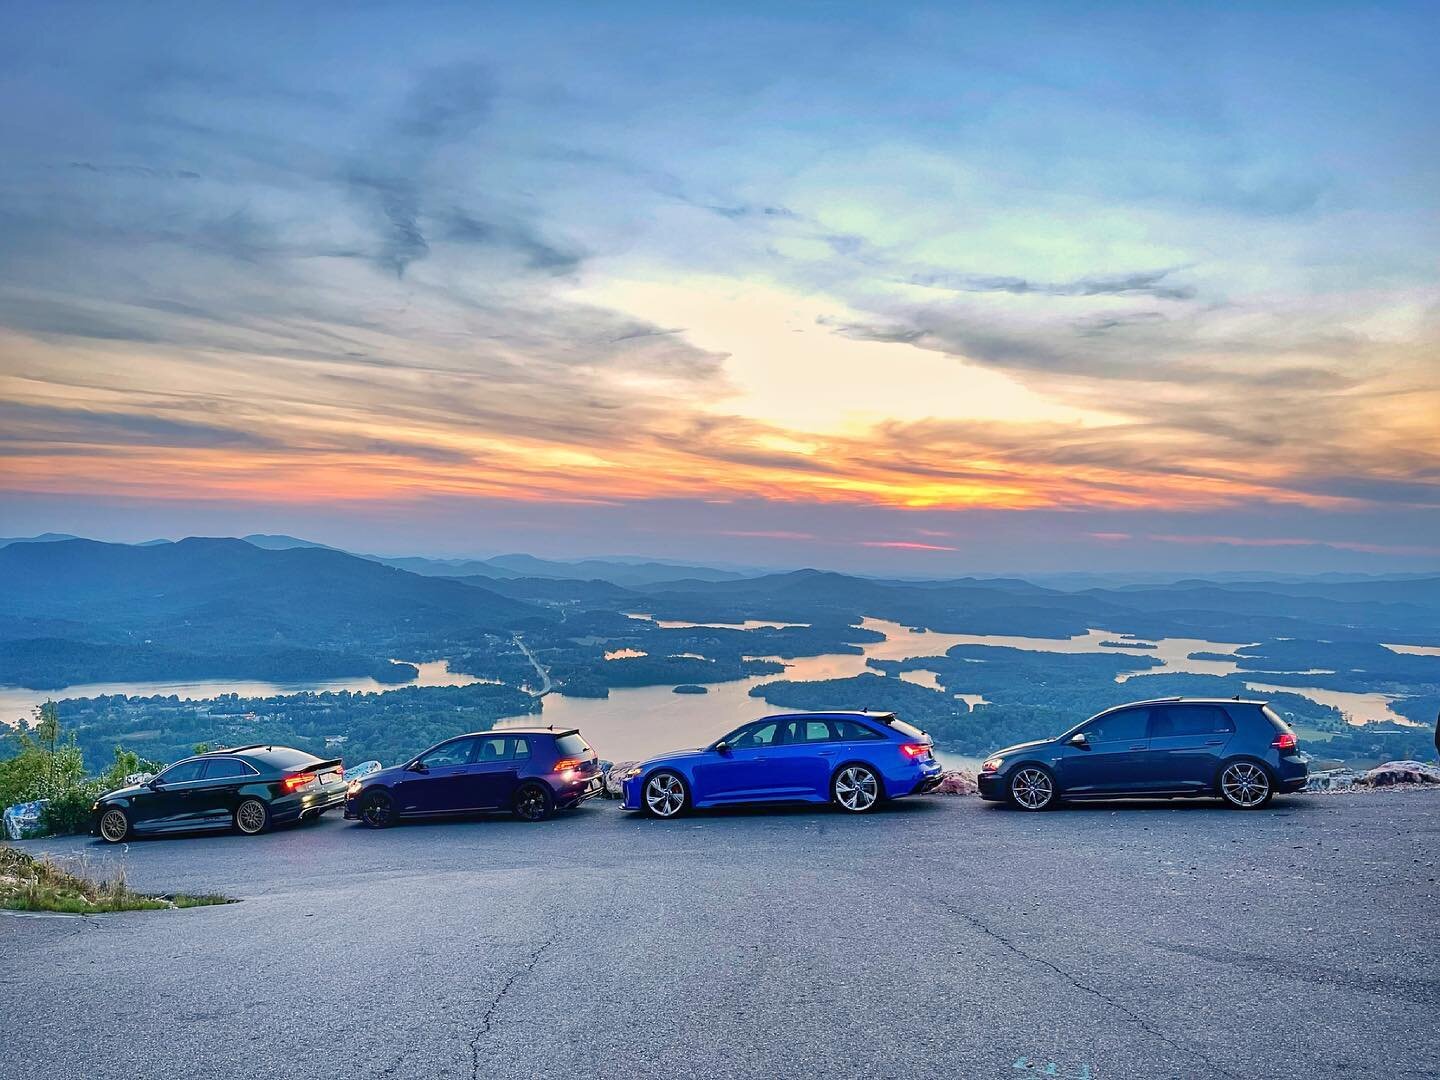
(489, 1016)
(1080, 984)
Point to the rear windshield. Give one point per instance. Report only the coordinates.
(1274, 718)
(284, 757)
(905, 729)
(572, 745)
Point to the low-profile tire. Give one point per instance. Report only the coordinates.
(1032, 788)
(1245, 784)
(252, 817)
(377, 810)
(533, 802)
(856, 788)
(665, 794)
(114, 825)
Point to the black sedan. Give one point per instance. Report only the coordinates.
(247, 788)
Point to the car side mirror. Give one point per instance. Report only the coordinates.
(154, 785)
(722, 747)
(1078, 739)
(417, 766)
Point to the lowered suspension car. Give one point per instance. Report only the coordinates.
(854, 759)
(246, 788)
(532, 772)
(1239, 751)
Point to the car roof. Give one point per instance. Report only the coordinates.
(833, 714)
(1185, 701)
(520, 731)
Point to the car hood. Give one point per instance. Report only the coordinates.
(1019, 747)
(127, 792)
(383, 776)
(675, 755)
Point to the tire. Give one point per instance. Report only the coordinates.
(533, 802)
(856, 788)
(114, 825)
(1032, 788)
(665, 794)
(252, 817)
(377, 810)
(1245, 784)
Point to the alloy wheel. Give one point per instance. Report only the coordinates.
(531, 803)
(856, 788)
(114, 826)
(1032, 789)
(250, 817)
(665, 795)
(377, 811)
(1245, 784)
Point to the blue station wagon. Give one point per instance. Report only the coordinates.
(854, 759)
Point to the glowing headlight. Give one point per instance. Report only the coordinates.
(352, 788)
(992, 765)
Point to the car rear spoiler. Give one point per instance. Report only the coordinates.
(321, 766)
(889, 718)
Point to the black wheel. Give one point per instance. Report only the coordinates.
(1245, 785)
(377, 810)
(533, 802)
(252, 817)
(856, 789)
(114, 825)
(1032, 788)
(666, 795)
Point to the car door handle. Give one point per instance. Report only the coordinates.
(827, 753)
(1140, 747)
(1214, 742)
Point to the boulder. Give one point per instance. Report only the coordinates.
(1401, 772)
(1332, 780)
(957, 782)
(616, 773)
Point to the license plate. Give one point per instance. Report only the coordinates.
(330, 777)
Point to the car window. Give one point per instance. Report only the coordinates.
(455, 752)
(498, 748)
(905, 729)
(756, 736)
(817, 731)
(1190, 720)
(522, 748)
(854, 731)
(572, 745)
(226, 768)
(1128, 725)
(184, 771)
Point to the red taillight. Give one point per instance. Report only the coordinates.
(915, 749)
(1284, 741)
(566, 764)
(296, 781)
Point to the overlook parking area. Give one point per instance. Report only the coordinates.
(938, 937)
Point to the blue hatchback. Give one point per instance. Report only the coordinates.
(1239, 751)
(853, 759)
(532, 772)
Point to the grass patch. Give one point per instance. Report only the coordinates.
(31, 884)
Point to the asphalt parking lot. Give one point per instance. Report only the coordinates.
(941, 936)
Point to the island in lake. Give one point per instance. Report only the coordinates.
(1129, 645)
(690, 688)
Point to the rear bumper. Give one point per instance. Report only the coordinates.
(577, 794)
(308, 803)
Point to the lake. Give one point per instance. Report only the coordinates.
(636, 722)
(19, 703)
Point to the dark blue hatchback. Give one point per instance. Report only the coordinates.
(1238, 751)
(531, 772)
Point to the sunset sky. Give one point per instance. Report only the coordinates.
(874, 287)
